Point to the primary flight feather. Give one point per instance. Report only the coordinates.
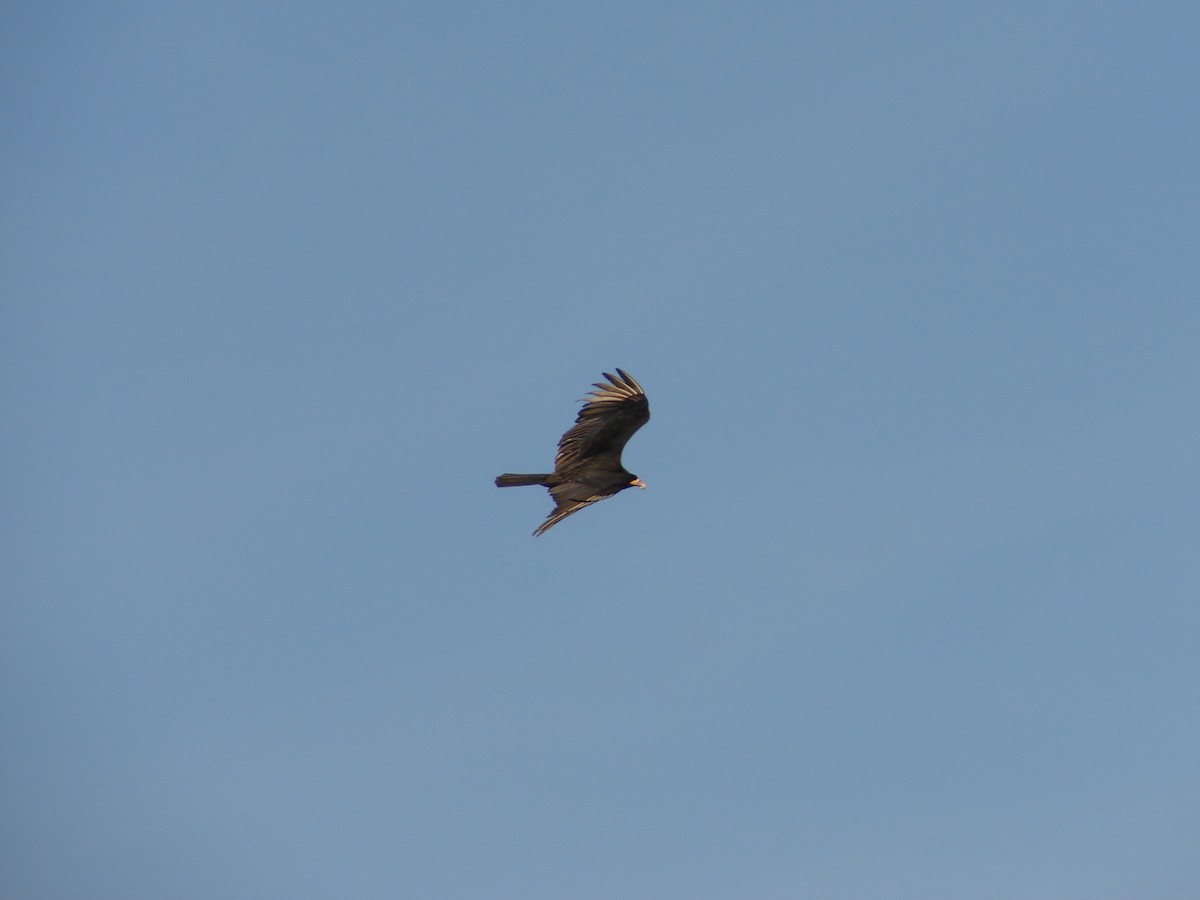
(588, 465)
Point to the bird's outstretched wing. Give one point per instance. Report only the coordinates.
(610, 416)
(565, 508)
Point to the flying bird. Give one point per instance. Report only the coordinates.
(588, 465)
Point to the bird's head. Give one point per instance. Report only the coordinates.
(637, 482)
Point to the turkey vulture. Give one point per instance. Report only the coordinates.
(588, 465)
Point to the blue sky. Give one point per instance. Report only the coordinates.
(909, 608)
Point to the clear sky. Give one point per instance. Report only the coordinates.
(910, 607)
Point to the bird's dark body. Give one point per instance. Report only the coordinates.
(588, 465)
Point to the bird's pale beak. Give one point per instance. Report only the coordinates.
(637, 482)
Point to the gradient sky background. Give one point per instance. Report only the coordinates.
(909, 609)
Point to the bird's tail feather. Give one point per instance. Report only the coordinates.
(510, 480)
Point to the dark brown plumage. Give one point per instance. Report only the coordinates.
(588, 465)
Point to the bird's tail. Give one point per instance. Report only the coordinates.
(510, 480)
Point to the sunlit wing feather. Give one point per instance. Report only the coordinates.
(565, 509)
(610, 416)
